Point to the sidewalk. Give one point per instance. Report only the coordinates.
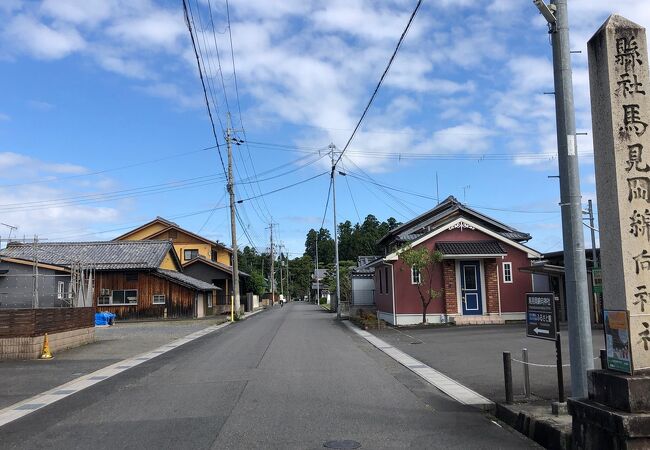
(25, 379)
(473, 356)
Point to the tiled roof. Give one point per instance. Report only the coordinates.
(362, 268)
(221, 266)
(470, 248)
(189, 281)
(104, 255)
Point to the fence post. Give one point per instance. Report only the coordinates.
(560, 374)
(524, 355)
(507, 375)
(603, 359)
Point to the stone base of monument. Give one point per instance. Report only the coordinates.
(616, 416)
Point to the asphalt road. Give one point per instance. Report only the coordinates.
(287, 378)
(473, 356)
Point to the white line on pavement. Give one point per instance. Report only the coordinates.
(452, 388)
(22, 408)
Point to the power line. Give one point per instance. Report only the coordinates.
(113, 169)
(284, 187)
(205, 93)
(327, 203)
(381, 80)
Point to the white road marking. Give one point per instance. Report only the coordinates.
(449, 386)
(28, 406)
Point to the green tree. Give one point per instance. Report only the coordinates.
(300, 276)
(345, 280)
(424, 261)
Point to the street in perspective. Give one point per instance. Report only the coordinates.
(235, 224)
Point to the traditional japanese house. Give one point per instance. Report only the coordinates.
(478, 278)
(133, 279)
(201, 258)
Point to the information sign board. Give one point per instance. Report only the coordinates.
(541, 322)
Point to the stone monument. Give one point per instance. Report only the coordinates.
(616, 415)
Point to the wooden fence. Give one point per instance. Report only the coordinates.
(36, 322)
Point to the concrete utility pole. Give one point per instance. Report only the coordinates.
(233, 223)
(272, 268)
(316, 272)
(580, 343)
(594, 256)
(336, 237)
(35, 250)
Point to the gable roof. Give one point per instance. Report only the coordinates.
(446, 211)
(186, 280)
(169, 225)
(217, 265)
(104, 255)
(394, 256)
(474, 248)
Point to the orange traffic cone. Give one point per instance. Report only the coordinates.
(45, 353)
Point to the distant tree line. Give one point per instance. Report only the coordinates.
(354, 240)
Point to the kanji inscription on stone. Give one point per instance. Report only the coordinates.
(618, 73)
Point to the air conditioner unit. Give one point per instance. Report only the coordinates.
(105, 292)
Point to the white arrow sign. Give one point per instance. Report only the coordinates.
(539, 330)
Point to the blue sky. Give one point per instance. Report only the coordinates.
(103, 122)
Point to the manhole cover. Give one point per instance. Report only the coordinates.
(346, 443)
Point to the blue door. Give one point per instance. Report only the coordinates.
(470, 287)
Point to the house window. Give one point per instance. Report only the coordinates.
(213, 255)
(131, 276)
(60, 290)
(387, 281)
(159, 299)
(190, 254)
(126, 297)
(381, 283)
(104, 300)
(415, 275)
(507, 272)
(209, 299)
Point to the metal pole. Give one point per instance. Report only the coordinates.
(336, 239)
(560, 372)
(507, 376)
(524, 357)
(317, 282)
(580, 343)
(272, 270)
(594, 253)
(603, 359)
(233, 223)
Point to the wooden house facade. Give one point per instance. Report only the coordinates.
(133, 279)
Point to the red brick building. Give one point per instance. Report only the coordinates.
(479, 276)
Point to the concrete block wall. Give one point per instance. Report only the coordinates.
(30, 347)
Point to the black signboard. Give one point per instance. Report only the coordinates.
(541, 321)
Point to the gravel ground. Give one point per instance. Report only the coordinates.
(24, 379)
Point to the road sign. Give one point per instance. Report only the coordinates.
(597, 277)
(541, 322)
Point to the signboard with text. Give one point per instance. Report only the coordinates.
(541, 322)
(617, 341)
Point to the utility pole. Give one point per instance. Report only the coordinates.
(35, 250)
(233, 223)
(316, 272)
(337, 299)
(592, 228)
(288, 285)
(272, 277)
(281, 271)
(580, 343)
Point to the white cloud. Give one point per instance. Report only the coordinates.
(42, 41)
(21, 205)
(4, 117)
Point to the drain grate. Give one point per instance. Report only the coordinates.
(342, 444)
